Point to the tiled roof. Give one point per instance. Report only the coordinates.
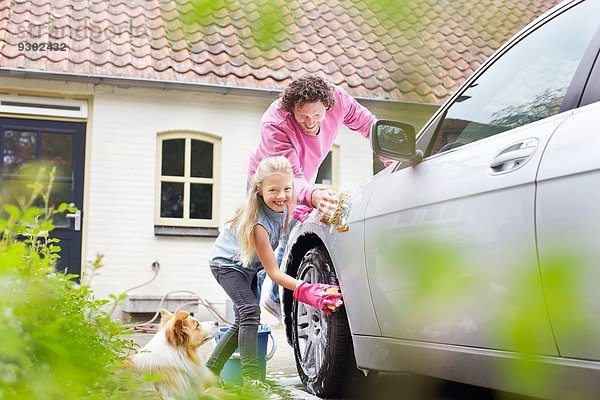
(415, 50)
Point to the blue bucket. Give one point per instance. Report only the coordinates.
(232, 371)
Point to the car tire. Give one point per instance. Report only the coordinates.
(323, 343)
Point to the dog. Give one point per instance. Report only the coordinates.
(172, 354)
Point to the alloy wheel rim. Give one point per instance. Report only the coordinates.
(312, 331)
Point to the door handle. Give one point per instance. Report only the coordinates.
(76, 219)
(514, 156)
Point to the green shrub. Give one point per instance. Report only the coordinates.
(56, 340)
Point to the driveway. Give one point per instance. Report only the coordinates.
(283, 377)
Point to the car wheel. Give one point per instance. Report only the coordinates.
(322, 343)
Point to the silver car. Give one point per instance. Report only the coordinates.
(476, 257)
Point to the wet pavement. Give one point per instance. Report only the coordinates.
(281, 369)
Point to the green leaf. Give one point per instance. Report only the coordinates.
(47, 225)
(32, 213)
(13, 211)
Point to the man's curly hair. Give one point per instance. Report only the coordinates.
(308, 88)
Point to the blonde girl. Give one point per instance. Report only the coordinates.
(246, 246)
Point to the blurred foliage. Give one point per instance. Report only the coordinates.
(269, 21)
(57, 342)
(466, 301)
(266, 18)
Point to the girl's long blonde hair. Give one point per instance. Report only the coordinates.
(246, 216)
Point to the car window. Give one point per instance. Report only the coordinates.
(527, 83)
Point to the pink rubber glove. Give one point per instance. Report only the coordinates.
(314, 294)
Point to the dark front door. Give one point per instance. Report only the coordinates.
(60, 144)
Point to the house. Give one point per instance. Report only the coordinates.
(150, 108)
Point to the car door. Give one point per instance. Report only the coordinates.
(568, 225)
(450, 242)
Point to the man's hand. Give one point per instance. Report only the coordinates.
(387, 161)
(325, 201)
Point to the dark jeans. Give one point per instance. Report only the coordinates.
(244, 332)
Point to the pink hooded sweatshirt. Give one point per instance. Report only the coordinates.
(280, 135)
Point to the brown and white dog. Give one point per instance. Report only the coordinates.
(173, 355)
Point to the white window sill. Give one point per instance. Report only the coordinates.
(185, 231)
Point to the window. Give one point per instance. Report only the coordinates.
(186, 179)
(526, 84)
(328, 175)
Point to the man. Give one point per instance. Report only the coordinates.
(302, 126)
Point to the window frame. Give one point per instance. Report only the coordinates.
(187, 180)
(335, 169)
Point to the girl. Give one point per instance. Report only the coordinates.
(245, 247)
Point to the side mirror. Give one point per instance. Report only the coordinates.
(395, 140)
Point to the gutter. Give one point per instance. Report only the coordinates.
(139, 82)
(167, 85)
